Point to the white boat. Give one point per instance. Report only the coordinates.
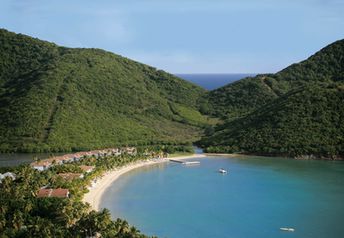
(287, 229)
(222, 171)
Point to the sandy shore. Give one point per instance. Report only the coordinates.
(223, 154)
(93, 197)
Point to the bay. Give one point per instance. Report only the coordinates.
(257, 197)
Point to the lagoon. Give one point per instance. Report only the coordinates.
(15, 159)
(257, 197)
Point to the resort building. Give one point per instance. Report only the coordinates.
(57, 160)
(41, 165)
(69, 158)
(70, 176)
(130, 150)
(7, 175)
(86, 169)
(50, 192)
(116, 151)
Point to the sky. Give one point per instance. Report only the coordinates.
(186, 36)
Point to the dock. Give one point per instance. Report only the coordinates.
(185, 162)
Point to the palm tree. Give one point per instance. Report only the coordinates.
(121, 226)
(40, 227)
(2, 221)
(17, 220)
(6, 185)
(134, 232)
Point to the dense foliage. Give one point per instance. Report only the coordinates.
(59, 99)
(296, 112)
(22, 214)
(238, 98)
(325, 65)
(303, 122)
(245, 96)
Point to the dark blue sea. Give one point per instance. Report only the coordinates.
(254, 200)
(213, 81)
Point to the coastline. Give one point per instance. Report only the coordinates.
(224, 154)
(94, 196)
(301, 157)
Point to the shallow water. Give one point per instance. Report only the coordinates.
(256, 198)
(15, 159)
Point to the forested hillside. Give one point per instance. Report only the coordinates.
(307, 121)
(244, 96)
(297, 112)
(57, 99)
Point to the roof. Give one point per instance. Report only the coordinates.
(41, 163)
(60, 159)
(130, 148)
(86, 168)
(70, 176)
(49, 192)
(7, 174)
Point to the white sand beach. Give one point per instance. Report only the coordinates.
(93, 197)
(224, 154)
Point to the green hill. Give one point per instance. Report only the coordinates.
(56, 99)
(244, 96)
(296, 112)
(307, 121)
(238, 99)
(325, 65)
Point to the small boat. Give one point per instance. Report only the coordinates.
(222, 171)
(287, 229)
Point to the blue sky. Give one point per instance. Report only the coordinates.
(186, 36)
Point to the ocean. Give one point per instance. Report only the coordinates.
(255, 199)
(213, 81)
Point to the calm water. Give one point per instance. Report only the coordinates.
(255, 199)
(213, 81)
(14, 159)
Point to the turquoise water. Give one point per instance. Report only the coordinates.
(255, 199)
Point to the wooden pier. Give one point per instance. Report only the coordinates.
(185, 162)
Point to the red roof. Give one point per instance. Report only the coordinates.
(49, 192)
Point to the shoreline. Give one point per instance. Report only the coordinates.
(94, 196)
(224, 154)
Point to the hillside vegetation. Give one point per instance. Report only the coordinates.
(25, 214)
(303, 122)
(55, 98)
(297, 112)
(58, 99)
(245, 96)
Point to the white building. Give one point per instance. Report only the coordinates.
(7, 174)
